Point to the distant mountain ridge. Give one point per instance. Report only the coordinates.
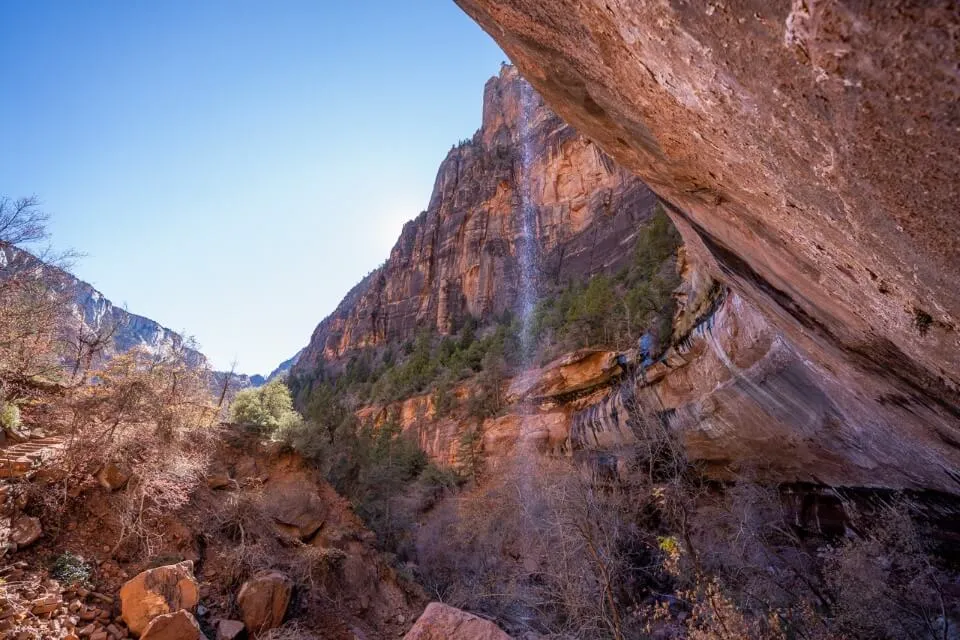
(283, 369)
(98, 314)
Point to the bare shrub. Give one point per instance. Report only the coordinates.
(758, 576)
(22, 221)
(33, 320)
(538, 549)
(161, 485)
(137, 397)
(150, 415)
(654, 549)
(884, 582)
(254, 543)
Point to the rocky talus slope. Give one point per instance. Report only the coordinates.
(262, 539)
(459, 257)
(806, 152)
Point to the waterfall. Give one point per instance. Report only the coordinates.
(527, 256)
(527, 250)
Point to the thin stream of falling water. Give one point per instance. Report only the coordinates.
(527, 246)
(527, 257)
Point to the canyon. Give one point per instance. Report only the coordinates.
(458, 258)
(755, 382)
(771, 446)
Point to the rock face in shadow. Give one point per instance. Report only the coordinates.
(807, 154)
(458, 258)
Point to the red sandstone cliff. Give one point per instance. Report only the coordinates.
(807, 152)
(458, 257)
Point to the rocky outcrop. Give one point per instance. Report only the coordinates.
(805, 151)
(572, 373)
(459, 257)
(443, 622)
(314, 529)
(297, 510)
(742, 398)
(746, 402)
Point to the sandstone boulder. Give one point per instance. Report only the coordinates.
(180, 625)
(230, 630)
(156, 592)
(113, 477)
(25, 531)
(263, 600)
(443, 622)
(297, 510)
(218, 480)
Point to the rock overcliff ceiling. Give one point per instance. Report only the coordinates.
(458, 258)
(807, 152)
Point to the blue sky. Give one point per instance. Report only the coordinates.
(232, 168)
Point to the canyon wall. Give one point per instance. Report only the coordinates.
(807, 153)
(458, 258)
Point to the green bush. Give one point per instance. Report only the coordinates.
(269, 407)
(615, 311)
(9, 416)
(70, 569)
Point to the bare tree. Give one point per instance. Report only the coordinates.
(86, 344)
(22, 221)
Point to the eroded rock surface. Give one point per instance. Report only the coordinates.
(807, 152)
(180, 625)
(25, 531)
(574, 372)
